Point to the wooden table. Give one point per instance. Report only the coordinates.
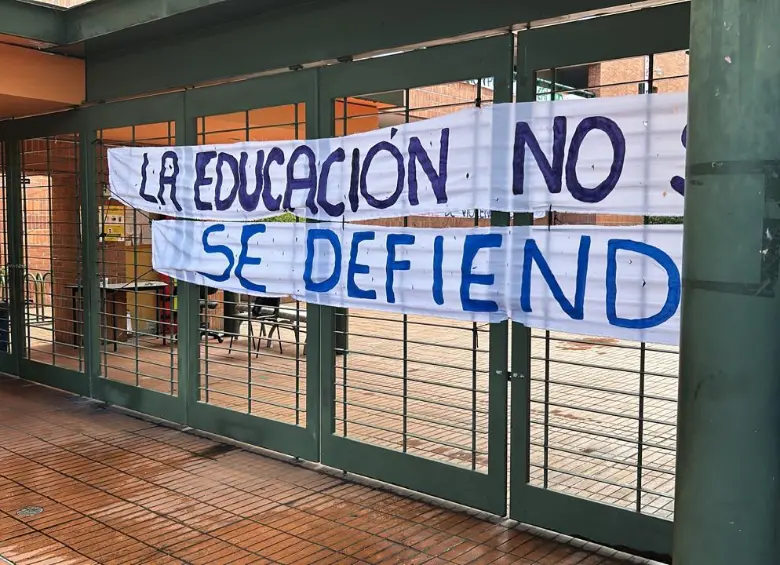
(114, 289)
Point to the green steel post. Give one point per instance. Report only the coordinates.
(188, 313)
(324, 319)
(525, 84)
(339, 323)
(728, 466)
(13, 224)
(499, 333)
(318, 355)
(89, 243)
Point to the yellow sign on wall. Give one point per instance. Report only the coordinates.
(113, 222)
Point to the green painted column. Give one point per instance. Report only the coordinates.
(728, 466)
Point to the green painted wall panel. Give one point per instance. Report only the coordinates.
(32, 21)
(324, 31)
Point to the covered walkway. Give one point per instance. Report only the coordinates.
(80, 483)
(668, 453)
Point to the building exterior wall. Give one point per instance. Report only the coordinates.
(622, 77)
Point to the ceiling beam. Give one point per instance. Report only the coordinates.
(104, 17)
(39, 22)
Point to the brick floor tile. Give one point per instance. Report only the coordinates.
(558, 555)
(119, 491)
(387, 555)
(514, 540)
(574, 558)
(511, 560)
(300, 551)
(439, 543)
(11, 527)
(484, 533)
(525, 549)
(38, 549)
(482, 555)
(543, 551)
(366, 546)
(341, 538)
(464, 552)
(436, 561)
(209, 550)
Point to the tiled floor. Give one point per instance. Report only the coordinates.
(598, 429)
(84, 484)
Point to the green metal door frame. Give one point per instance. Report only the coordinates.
(621, 36)
(164, 108)
(490, 57)
(14, 133)
(9, 360)
(263, 92)
(128, 63)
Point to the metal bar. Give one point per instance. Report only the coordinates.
(605, 412)
(405, 415)
(594, 433)
(421, 399)
(169, 314)
(22, 269)
(475, 334)
(471, 427)
(135, 278)
(648, 348)
(418, 361)
(51, 251)
(410, 379)
(13, 187)
(88, 181)
(448, 347)
(641, 430)
(609, 390)
(297, 313)
(101, 230)
(345, 352)
(416, 436)
(188, 325)
(603, 367)
(498, 334)
(521, 335)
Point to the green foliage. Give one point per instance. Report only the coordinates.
(286, 217)
(663, 219)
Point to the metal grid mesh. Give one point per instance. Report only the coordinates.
(603, 411)
(51, 251)
(137, 305)
(253, 350)
(414, 384)
(5, 313)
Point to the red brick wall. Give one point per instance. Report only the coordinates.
(65, 252)
(444, 99)
(621, 78)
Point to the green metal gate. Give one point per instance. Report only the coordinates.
(257, 376)
(593, 419)
(132, 361)
(417, 401)
(42, 163)
(409, 400)
(7, 265)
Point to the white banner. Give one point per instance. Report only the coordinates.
(605, 281)
(621, 155)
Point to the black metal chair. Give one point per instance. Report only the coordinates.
(206, 305)
(238, 311)
(266, 310)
